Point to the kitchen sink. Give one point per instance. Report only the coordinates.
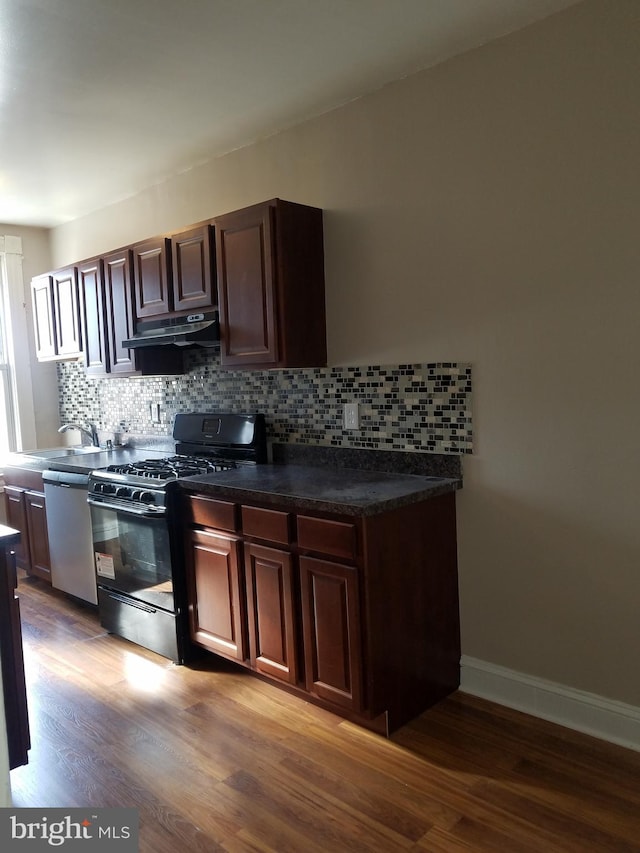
(57, 452)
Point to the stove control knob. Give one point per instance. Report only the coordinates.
(147, 497)
(105, 488)
(123, 492)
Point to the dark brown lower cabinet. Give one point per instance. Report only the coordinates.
(271, 612)
(26, 512)
(216, 593)
(36, 512)
(13, 681)
(332, 638)
(16, 514)
(357, 614)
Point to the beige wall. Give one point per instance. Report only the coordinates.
(36, 259)
(486, 210)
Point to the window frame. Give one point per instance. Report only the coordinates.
(15, 367)
(8, 426)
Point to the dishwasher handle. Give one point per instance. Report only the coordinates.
(66, 478)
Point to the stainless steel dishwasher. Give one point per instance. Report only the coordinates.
(69, 530)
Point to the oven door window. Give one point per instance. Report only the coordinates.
(132, 555)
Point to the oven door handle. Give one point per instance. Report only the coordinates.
(123, 600)
(127, 510)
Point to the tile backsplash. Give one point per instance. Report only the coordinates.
(408, 407)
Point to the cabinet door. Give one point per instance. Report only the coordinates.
(216, 593)
(66, 312)
(42, 298)
(152, 277)
(119, 322)
(13, 681)
(192, 269)
(37, 534)
(91, 284)
(272, 628)
(331, 629)
(17, 518)
(247, 287)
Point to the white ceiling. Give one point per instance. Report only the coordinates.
(102, 98)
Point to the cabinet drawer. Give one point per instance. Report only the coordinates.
(24, 478)
(268, 524)
(336, 538)
(207, 512)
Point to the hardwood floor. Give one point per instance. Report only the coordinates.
(217, 760)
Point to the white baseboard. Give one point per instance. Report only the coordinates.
(613, 721)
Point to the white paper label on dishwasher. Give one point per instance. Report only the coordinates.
(104, 565)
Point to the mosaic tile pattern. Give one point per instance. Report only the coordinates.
(408, 407)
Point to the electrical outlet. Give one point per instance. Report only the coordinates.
(351, 416)
(155, 412)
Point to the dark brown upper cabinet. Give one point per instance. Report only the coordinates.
(107, 288)
(265, 263)
(119, 322)
(270, 262)
(42, 299)
(56, 315)
(175, 274)
(91, 281)
(152, 277)
(89, 310)
(193, 253)
(67, 313)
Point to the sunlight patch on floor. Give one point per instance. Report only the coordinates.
(144, 675)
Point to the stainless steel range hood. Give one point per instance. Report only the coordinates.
(195, 329)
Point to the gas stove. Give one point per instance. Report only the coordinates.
(143, 485)
(136, 542)
(205, 444)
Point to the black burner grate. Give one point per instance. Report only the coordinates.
(172, 467)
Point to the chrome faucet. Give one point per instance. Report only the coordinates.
(90, 431)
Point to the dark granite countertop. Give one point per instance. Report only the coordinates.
(306, 487)
(326, 486)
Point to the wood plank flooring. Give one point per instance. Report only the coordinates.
(216, 760)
